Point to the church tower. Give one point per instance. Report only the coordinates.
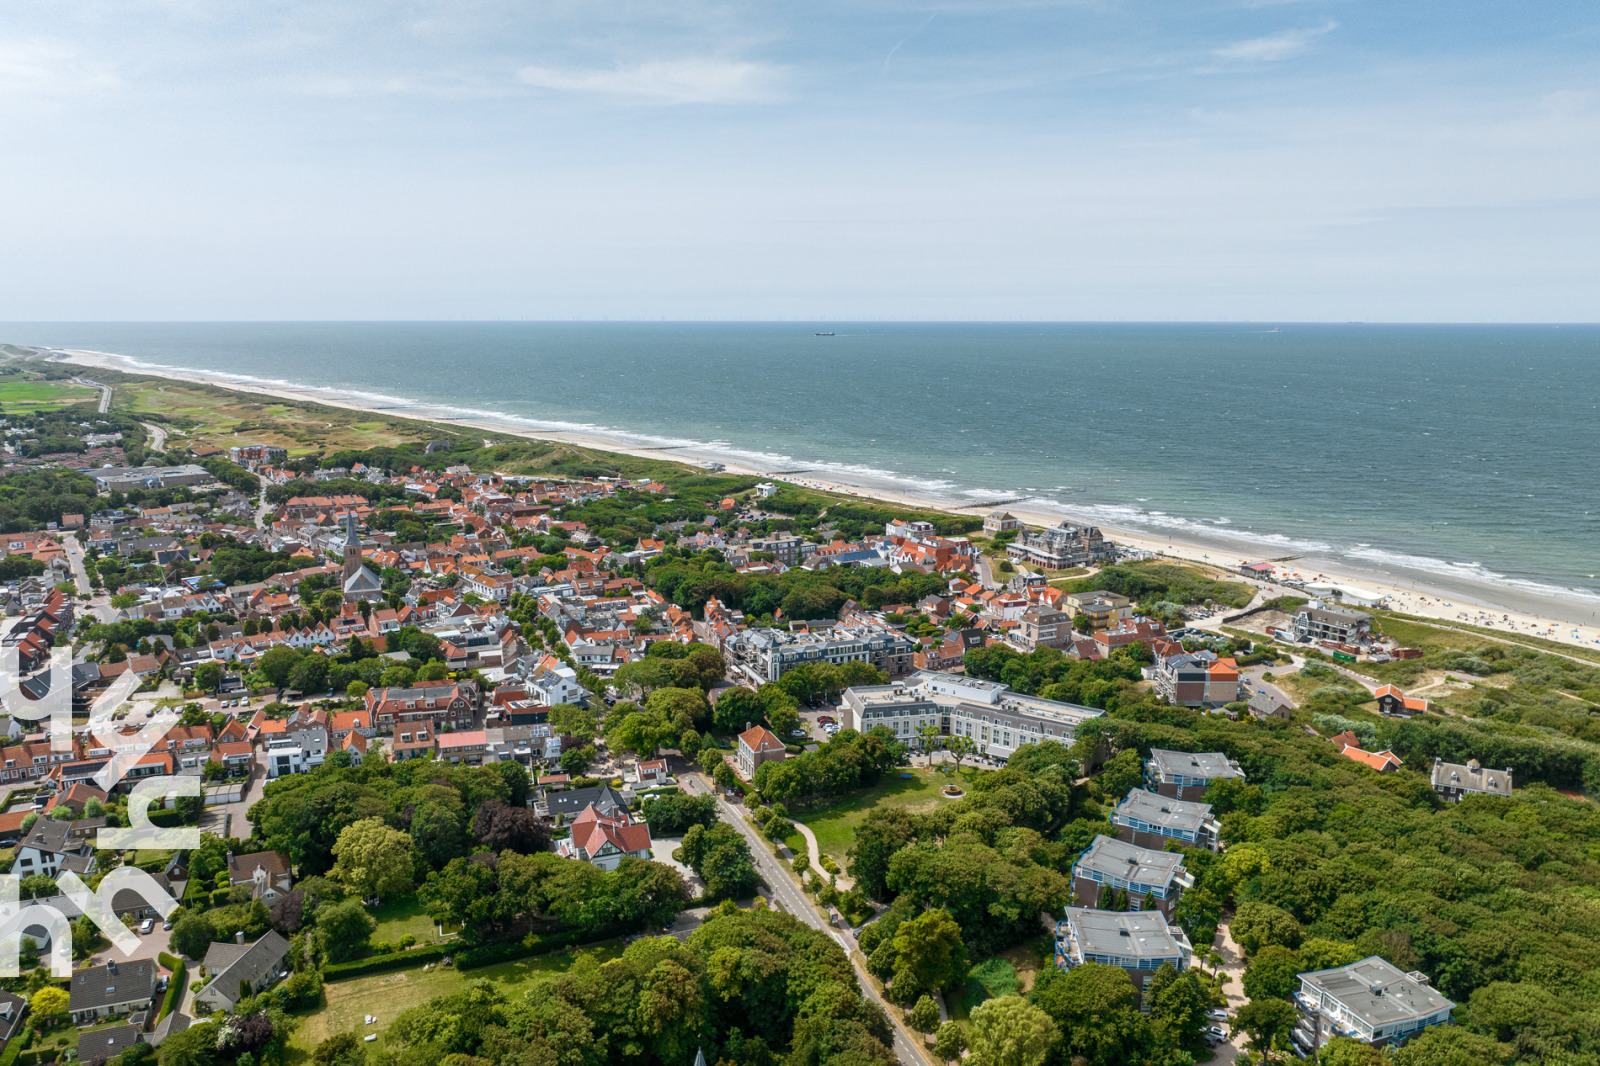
(352, 548)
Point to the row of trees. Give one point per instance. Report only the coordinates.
(754, 988)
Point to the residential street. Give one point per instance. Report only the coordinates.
(789, 896)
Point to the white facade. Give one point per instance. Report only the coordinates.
(997, 719)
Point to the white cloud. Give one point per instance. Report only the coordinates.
(676, 81)
(39, 69)
(1276, 47)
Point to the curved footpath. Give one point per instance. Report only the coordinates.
(844, 883)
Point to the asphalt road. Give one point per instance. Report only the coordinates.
(158, 436)
(99, 606)
(789, 896)
(105, 392)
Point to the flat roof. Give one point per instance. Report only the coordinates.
(1377, 992)
(1130, 862)
(1206, 764)
(1134, 934)
(1159, 810)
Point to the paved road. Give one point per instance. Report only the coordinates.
(985, 575)
(99, 606)
(789, 896)
(105, 392)
(158, 436)
(75, 560)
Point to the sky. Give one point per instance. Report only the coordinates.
(1332, 160)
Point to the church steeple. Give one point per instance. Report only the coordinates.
(352, 547)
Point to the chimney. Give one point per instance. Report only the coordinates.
(238, 937)
(111, 967)
(747, 727)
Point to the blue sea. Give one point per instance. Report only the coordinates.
(1458, 458)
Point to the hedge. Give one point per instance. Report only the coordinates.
(16, 1047)
(510, 951)
(174, 987)
(395, 960)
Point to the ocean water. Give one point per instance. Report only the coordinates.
(1461, 458)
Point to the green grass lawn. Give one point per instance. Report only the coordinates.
(388, 994)
(400, 916)
(834, 821)
(21, 396)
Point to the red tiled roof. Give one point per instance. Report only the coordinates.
(1378, 760)
(759, 738)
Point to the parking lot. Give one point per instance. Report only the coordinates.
(814, 720)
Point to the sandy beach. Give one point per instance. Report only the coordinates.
(1502, 610)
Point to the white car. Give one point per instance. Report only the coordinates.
(147, 925)
(1217, 1033)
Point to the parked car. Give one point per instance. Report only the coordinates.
(798, 733)
(1216, 1032)
(1217, 1015)
(147, 925)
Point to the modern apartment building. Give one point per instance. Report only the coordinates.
(1128, 868)
(996, 718)
(1194, 679)
(1140, 942)
(1317, 621)
(1150, 820)
(1187, 774)
(1371, 1001)
(768, 654)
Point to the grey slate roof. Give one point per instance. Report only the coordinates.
(12, 1008)
(1472, 777)
(104, 1043)
(232, 964)
(172, 1023)
(571, 803)
(113, 984)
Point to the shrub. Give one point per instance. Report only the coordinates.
(398, 960)
(534, 944)
(990, 979)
